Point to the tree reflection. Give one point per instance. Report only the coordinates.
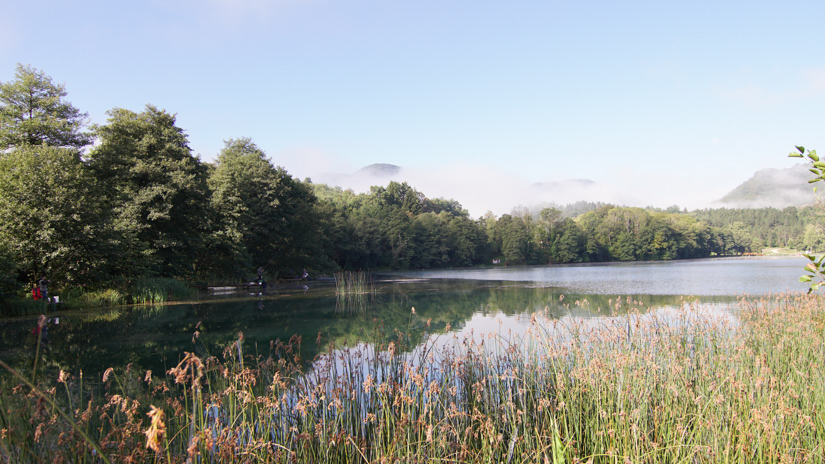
(156, 338)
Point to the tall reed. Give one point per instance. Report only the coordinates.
(353, 289)
(689, 384)
(160, 290)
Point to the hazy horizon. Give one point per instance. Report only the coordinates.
(481, 191)
(664, 103)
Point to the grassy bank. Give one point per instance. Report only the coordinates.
(688, 385)
(142, 291)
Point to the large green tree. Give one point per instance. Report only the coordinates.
(33, 112)
(156, 190)
(51, 216)
(269, 218)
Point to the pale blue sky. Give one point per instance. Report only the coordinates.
(670, 102)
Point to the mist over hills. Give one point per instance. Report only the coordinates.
(479, 190)
(777, 188)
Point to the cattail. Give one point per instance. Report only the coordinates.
(156, 429)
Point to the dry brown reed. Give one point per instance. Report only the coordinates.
(693, 384)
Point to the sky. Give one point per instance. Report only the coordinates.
(658, 102)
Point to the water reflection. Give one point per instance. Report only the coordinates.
(156, 337)
(718, 276)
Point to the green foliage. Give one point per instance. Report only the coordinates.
(160, 290)
(156, 191)
(33, 113)
(264, 217)
(22, 307)
(50, 215)
(9, 286)
(814, 238)
(816, 267)
(140, 205)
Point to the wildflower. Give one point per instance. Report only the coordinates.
(61, 378)
(148, 377)
(156, 429)
(413, 309)
(107, 373)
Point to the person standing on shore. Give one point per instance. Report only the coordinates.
(44, 288)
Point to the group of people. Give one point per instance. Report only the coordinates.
(41, 290)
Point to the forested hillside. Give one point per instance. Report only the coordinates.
(138, 203)
(777, 188)
(768, 227)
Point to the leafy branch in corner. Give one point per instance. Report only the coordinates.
(815, 268)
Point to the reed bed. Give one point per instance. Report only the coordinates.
(353, 290)
(143, 291)
(686, 385)
(161, 290)
(80, 298)
(22, 307)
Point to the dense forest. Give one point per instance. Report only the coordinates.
(104, 205)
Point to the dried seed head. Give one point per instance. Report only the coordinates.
(156, 429)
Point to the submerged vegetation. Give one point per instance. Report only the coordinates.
(693, 384)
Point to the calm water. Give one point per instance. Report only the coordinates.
(723, 276)
(477, 300)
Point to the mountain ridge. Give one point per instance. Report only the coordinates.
(772, 187)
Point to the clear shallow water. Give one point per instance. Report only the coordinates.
(468, 301)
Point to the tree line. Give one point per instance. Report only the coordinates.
(102, 205)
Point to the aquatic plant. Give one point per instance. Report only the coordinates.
(353, 290)
(22, 307)
(687, 384)
(160, 290)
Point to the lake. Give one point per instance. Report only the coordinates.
(472, 300)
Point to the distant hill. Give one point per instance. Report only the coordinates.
(378, 170)
(778, 188)
(478, 193)
(362, 179)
